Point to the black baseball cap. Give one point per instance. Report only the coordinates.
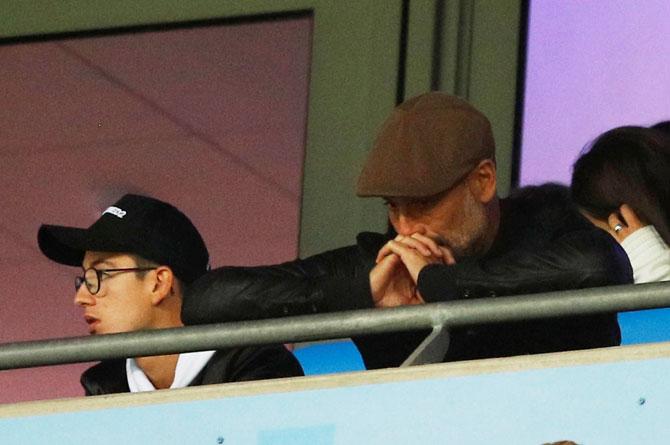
(140, 225)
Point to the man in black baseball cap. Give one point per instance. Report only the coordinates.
(136, 260)
(147, 227)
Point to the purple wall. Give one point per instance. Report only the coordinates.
(211, 119)
(592, 65)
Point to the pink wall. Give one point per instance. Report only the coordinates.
(210, 119)
(592, 65)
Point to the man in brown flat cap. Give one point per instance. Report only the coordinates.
(450, 238)
(434, 164)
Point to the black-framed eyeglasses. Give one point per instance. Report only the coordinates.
(93, 277)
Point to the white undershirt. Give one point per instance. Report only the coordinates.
(189, 365)
(648, 254)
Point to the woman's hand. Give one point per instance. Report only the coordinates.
(623, 223)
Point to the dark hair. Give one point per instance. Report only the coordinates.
(663, 126)
(626, 165)
(140, 261)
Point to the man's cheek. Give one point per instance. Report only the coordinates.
(439, 238)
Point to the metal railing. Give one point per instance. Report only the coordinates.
(336, 325)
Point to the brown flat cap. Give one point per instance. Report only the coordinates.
(427, 144)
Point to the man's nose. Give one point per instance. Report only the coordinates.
(83, 297)
(405, 225)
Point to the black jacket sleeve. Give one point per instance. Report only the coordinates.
(579, 259)
(332, 281)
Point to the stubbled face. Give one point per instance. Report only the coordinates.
(123, 302)
(454, 219)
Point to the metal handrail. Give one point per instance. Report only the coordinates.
(334, 325)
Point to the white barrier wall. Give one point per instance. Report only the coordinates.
(608, 396)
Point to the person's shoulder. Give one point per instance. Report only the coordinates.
(371, 242)
(544, 218)
(250, 363)
(545, 197)
(106, 367)
(275, 353)
(341, 261)
(548, 206)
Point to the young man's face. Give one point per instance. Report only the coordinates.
(123, 300)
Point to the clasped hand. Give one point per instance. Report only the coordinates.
(623, 223)
(393, 280)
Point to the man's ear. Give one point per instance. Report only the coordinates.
(482, 181)
(163, 284)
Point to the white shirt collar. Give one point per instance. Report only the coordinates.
(189, 365)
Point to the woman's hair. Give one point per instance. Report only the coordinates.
(663, 126)
(626, 165)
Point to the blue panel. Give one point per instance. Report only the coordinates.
(614, 403)
(637, 327)
(329, 358)
(645, 326)
(320, 434)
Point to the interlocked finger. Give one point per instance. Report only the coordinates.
(417, 244)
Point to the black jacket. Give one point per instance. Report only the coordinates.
(543, 244)
(230, 365)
